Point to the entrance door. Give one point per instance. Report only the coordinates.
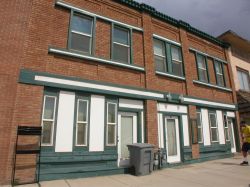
(231, 133)
(172, 139)
(127, 134)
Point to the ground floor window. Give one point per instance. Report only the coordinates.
(111, 124)
(213, 127)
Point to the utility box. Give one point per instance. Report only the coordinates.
(142, 158)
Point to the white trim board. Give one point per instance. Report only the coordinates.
(164, 107)
(231, 114)
(129, 103)
(166, 39)
(67, 5)
(82, 56)
(199, 101)
(97, 86)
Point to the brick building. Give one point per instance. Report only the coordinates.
(100, 74)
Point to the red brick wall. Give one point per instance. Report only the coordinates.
(34, 25)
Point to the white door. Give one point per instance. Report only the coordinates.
(172, 139)
(127, 134)
(231, 133)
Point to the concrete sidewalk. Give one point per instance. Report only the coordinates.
(225, 172)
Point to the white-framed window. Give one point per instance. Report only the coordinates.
(82, 123)
(219, 73)
(160, 55)
(200, 127)
(213, 127)
(48, 120)
(111, 124)
(81, 33)
(226, 127)
(202, 68)
(243, 77)
(121, 45)
(177, 64)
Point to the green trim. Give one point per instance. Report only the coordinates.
(131, 46)
(178, 23)
(28, 77)
(207, 55)
(93, 37)
(212, 86)
(79, 55)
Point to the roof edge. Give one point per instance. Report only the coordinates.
(142, 7)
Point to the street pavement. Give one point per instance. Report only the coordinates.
(217, 173)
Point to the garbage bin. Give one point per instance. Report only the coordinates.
(142, 158)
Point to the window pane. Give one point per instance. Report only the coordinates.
(212, 118)
(49, 108)
(201, 62)
(245, 79)
(160, 64)
(111, 134)
(111, 113)
(121, 53)
(240, 78)
(159, 48)
(218, 68)
(203, 75)
(47, 132)
(80, 42)
(177, 68)
(200, 135)
(214, 135)
(121, 36)
(171, 134)
(82, 110)
(227, 134)
(220, 80)
(176, 53)
(81, 134)
(82, 24)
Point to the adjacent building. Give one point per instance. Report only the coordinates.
(100, 74)
(239, 54)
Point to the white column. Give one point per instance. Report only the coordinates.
(220, 124)
(160, 131)
(65, 122)
(206, 127)
(96, 131)
(185, 130)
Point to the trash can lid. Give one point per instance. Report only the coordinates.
(141, 145)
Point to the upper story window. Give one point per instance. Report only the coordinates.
(121, 45)
(81, 33)
(160, 56)
(202, 68)
(218, 67)
(168, 58)
(243, 77)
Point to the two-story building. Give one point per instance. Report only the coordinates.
(239, 55)
(100, 74)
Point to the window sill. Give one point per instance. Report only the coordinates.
(170, 75)
(74, 54)
(212, 86)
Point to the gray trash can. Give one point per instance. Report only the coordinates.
(142, 158)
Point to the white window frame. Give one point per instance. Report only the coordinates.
(114, 124)
(82, 122)
(226, 128)
(123, 45)
(82, 33)
(201, 126)
(49, 120)
(218, 73)
(241, 71)
(159, 55)
(203, 69)
(216, 122)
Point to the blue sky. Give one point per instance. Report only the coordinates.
(213, 17)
